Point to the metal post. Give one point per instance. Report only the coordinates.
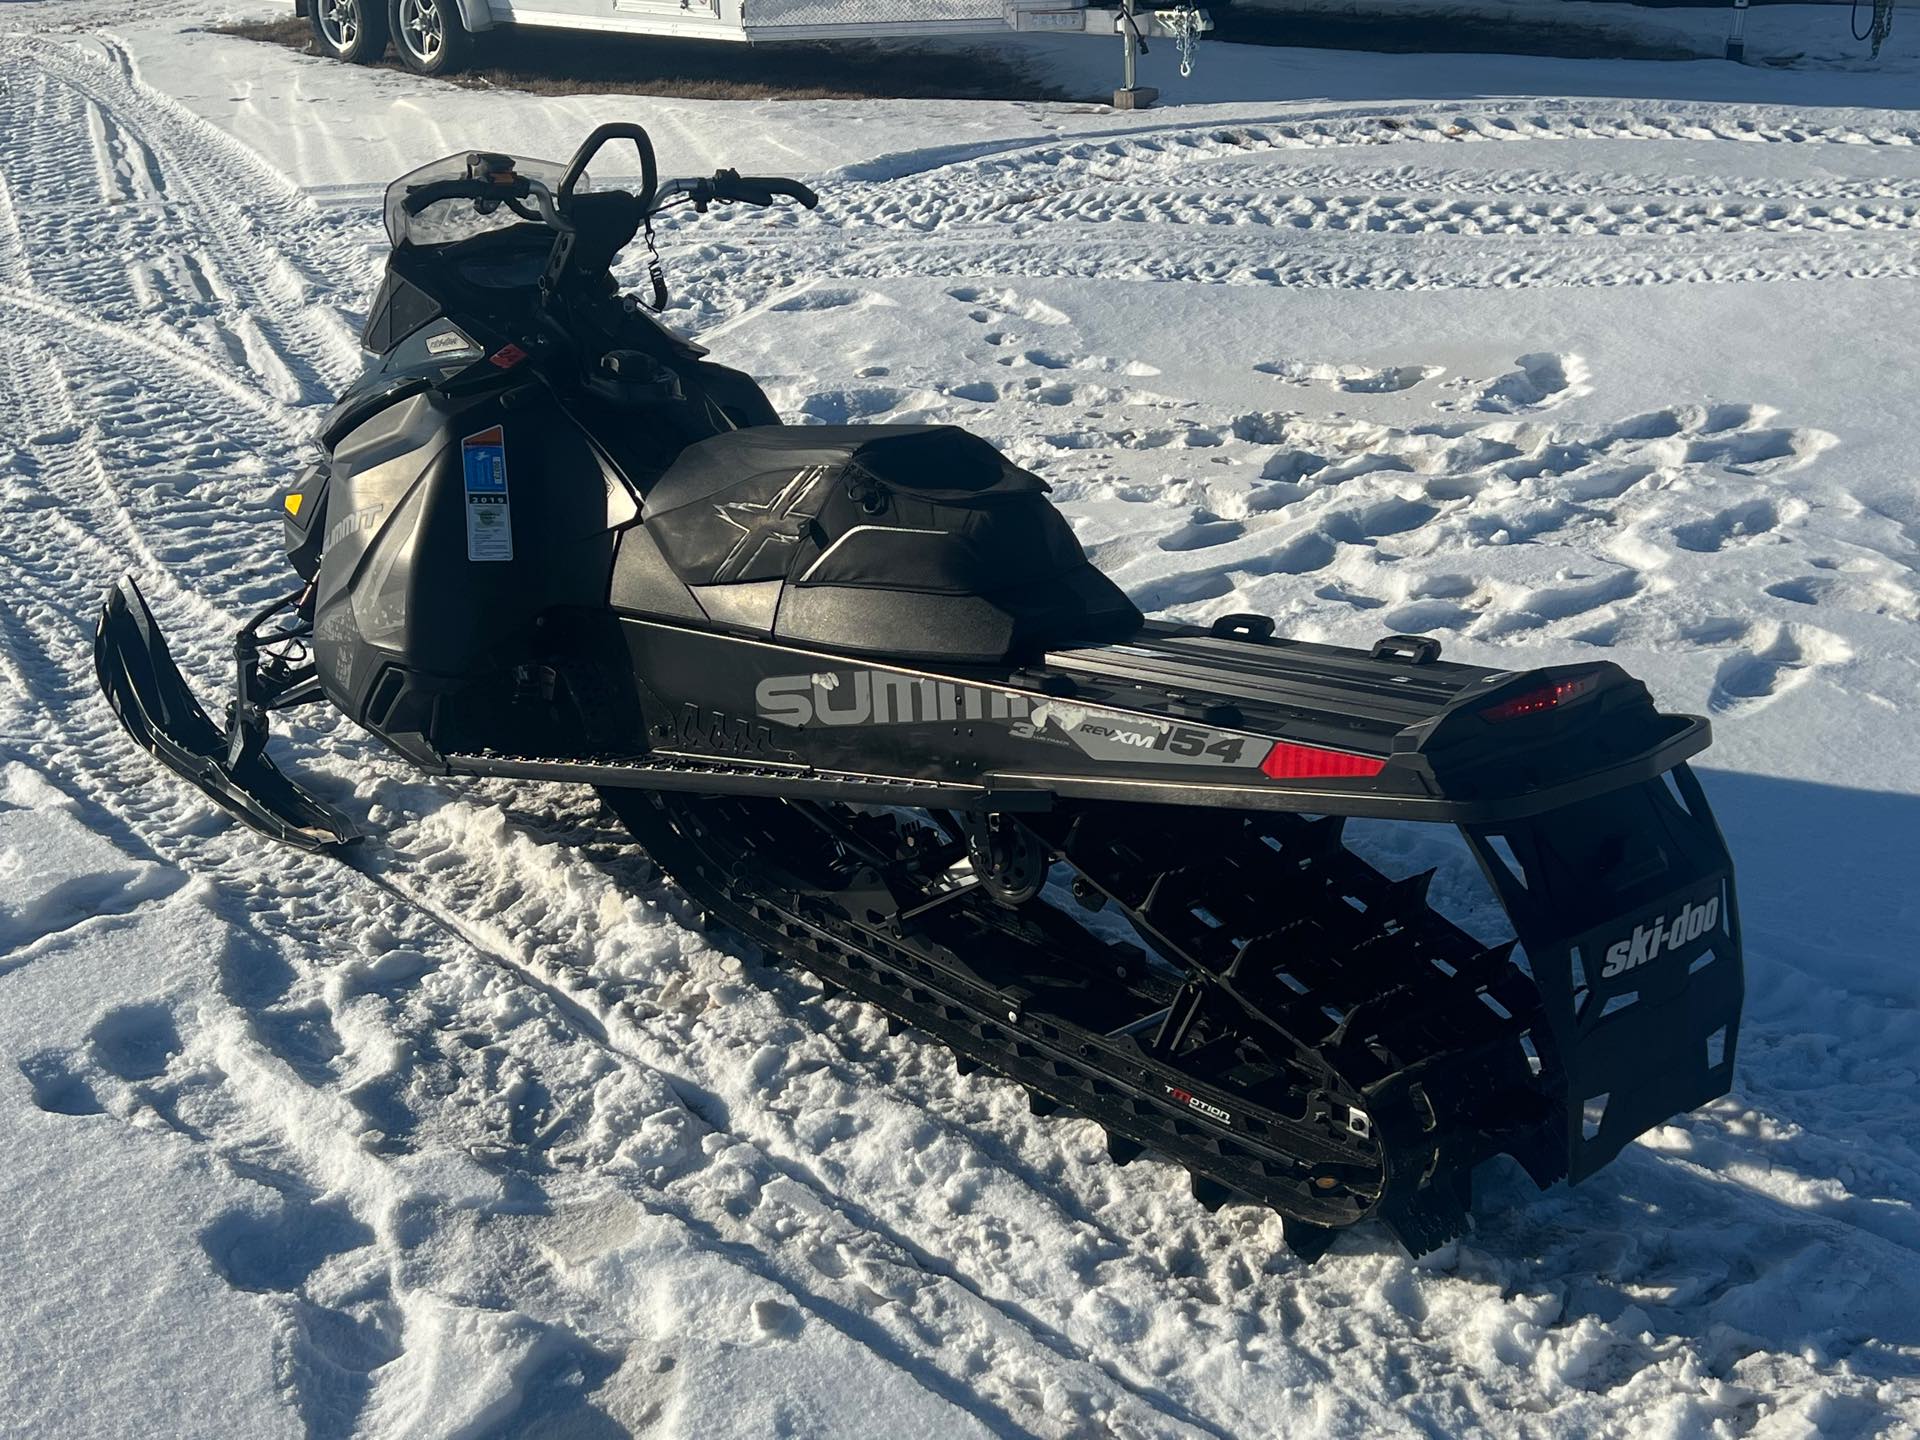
(1737, 37)
(1132, 96)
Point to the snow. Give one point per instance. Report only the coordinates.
(482, 1135)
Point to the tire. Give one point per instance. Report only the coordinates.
(350, 30)
(429, 35)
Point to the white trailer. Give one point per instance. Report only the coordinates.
(435, 37)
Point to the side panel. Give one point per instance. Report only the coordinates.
(454, 527)
(708, 694)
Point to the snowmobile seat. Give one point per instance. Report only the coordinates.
(909, 540)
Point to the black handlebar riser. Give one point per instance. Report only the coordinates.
(613, 130)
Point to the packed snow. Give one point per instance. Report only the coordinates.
(478, 1133)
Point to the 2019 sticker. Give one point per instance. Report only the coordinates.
(483, 460)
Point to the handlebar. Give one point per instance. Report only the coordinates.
(592, 226)
(730, 185)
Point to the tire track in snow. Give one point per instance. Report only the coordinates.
(1427, 123)
(13, 248)
(197, 207)
(1350, 177)
(1068, 209)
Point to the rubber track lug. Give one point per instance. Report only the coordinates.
(1409, 896)
(1210, 1193)
(1123, 1151)
(1309, 1242)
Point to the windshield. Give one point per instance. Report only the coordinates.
(446, 222)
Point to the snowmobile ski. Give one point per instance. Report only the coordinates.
(152, 699)
(859, 690)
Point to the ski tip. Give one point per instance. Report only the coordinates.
(124, 593)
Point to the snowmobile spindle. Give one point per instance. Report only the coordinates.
(859, 690)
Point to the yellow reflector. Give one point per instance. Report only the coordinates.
(293, 503)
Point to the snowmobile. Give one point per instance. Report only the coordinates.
(859, 690)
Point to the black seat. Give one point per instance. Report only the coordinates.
(884, 539)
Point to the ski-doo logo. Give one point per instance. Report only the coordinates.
(1648, 942)
(1194, 1102)
(879, 697)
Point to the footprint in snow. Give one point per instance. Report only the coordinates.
(278, 1250)
(135, 1042)
(1781, 658)
(1353, 379)
(1542, 380)
(775, 1319)
(1747, 521)
(57, 1088)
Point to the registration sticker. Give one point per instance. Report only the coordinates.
(483, 458)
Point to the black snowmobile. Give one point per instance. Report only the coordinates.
(859, 690)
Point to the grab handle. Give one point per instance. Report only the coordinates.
(613, 130)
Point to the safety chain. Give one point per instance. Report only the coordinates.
(1185, 25)
(1878, 27)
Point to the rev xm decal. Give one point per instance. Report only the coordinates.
(1123, 737)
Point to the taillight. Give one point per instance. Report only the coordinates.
(1547, 697)
(1308, 762)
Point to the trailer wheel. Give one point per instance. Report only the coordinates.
(430, 35)
(350, 30)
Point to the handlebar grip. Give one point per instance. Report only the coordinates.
(744, 188)
(419, 197)
(793, 189)
(760, 189)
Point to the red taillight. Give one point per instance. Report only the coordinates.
(1308, 762)
(1547, 697)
